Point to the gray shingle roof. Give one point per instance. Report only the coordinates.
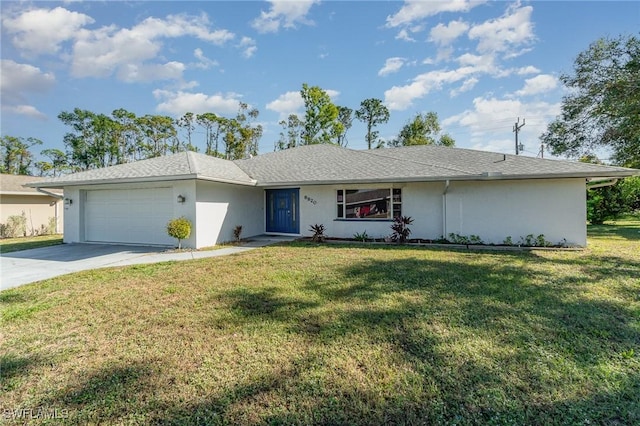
(183, 165)
(332, 164)
(325, 164)
(14, 184)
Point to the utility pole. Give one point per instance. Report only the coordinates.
(516, 129)
(541, 153)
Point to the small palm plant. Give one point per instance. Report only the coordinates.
(318, 233)
(401, 229)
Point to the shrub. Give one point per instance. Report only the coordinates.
(318, 233)
(16, 226)
(48, 229)
(401, 229)
(179, 228)
(541, 241)
(475, 239)
(237, 231)
(604, 204)
(363, 236)
(458, 239)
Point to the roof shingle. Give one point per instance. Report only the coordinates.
(325, 164)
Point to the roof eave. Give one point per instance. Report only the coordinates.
(480, 177)
(62, 184)
(37, 194)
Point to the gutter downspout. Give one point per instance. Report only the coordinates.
(50, 194)
(59, 197)
(608, 182)
(444, 209)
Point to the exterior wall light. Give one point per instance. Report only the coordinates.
(68, 201)
(181, 199)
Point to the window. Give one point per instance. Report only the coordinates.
(383, 203)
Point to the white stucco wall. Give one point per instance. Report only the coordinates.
(222, 207)
(495, 210)
(421, 201)
(492, 210)
(75, 196)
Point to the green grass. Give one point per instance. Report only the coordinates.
(7, 245)
(304, 333)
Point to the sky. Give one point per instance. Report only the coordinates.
(480, 65)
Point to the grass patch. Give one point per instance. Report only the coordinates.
(303, 333)
(8, 245)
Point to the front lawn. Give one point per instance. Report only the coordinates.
(7, 245)
(322, 334)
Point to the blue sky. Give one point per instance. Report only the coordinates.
(479, 65)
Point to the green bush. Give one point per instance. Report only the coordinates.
(16, 226)
(630, 188)
(179, 228)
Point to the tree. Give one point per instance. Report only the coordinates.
(212, 125)
(601, 109)
(291, 134)
(160, 136)
(57, 164)
(126, 135)
(422, 130)
(186, 122)
(372, 112)
(345, 117)
(248, 133)
(321, 124)
(16, 154)
(79, 142)
(180, 229)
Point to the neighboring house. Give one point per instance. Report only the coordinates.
(445, 190)
(39, 207)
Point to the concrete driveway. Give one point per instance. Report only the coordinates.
(27, 266)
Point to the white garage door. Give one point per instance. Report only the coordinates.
(133, 216)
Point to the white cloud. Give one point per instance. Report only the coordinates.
(445, 34)
(538, 84)
(403, 34)
(491, 120)
(467, 85)
(17, 81)
(502, 34)
(416, 10)
(19, 78)
(391, 65)
(131, 73)
(28, 110)
(104, 51)
(203, 63)
(527, 70)
(283, 13)
(292, 103)
(402, 97)
(288, 103)
(40, 31)
(249, 46)
(179, 102)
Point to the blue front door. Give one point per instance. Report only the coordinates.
(283, 211)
